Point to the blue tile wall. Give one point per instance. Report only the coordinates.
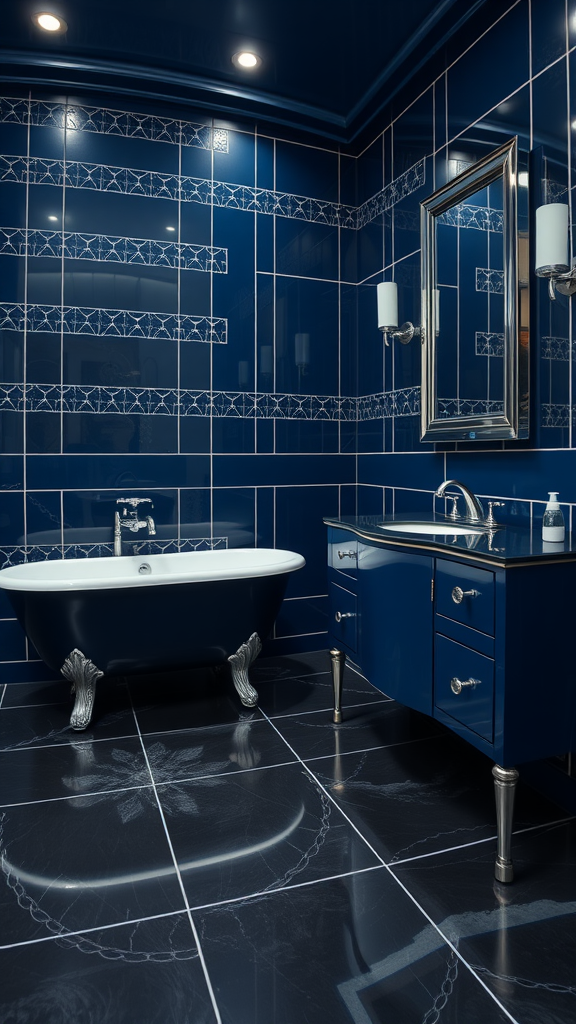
(187, 312)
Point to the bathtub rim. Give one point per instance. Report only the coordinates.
(229, 564)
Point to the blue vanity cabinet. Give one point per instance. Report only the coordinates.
(343, 590)
(395, 604)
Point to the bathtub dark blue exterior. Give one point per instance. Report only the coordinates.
(147, 628)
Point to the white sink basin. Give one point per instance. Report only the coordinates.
(440, 529)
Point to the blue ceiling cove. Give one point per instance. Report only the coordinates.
(326, 66)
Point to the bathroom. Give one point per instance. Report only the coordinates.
(221, 356)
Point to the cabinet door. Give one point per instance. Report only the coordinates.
(396, 624)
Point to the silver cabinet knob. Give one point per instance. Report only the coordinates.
(457, 685)
(346, 554)
(344, 615)
(458, 594)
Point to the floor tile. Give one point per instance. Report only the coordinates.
(29, 694)
(37, 726)
(145, 973)
(79, 766)
(363, 727)
(415, 799)
(282, 693)
(353, 949)
(191, 753)
(84, 863)
(255, 831)
(521, 938)
(191, 700)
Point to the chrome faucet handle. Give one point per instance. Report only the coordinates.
(490, 520)
(133, 501)
(454, 513)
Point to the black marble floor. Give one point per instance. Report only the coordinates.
(187, 861)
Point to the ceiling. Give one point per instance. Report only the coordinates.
(327, 65)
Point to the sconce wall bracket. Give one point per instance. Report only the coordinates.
(560, 278)
(403, 334)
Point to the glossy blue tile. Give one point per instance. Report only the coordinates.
(44, 281)
(516, 475)
(299, 527)
(43, 358)
(11, 356)
(195, 435)
(370, 352)
(306, 336)
(306, 436)
(406, 217)
(12, 276)
(412, 133)
(264, 162)
(113, 363)
(12, 519)
(265, 434)
(12, 204)
(12, 641)
(423, 470)
(233, 435)
(12, 473)
(369, 172)
(47, 141)
(13, 139)
(68, 472)
(548, 23)
(440, 123)
(195, 512)
(306, 171)
(265, 229)
(43, 516)
(285, 470)
(306, 250)
(119, 286)
(133, 216)
(234, 515)
(238, 164)
(45, 205)
(120, 151)
(234, 297)
(195, 221)
(492, 61)
(196, 162)
(265, 517)
(43, 433)
(349, 170)
(371, 254)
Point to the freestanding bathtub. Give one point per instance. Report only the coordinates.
(137, 614)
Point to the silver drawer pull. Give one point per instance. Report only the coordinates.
(346, 554)
(457, 685)
(344, 615)
(458, 594)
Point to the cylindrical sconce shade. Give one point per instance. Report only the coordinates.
(387, 293)
(552, 236)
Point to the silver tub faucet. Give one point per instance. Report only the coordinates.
(129, 520)
(473, 507)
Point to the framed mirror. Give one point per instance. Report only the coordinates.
(475, 309)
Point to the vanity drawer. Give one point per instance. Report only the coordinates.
(473, 706)
(343, 616)
(343, 552)
(466, 594)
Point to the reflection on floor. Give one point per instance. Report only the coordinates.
(187, 861)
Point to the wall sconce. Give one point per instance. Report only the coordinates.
(387, 296)
(552, 249)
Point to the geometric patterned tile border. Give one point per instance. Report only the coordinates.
(112, 122)
(112, 249)
(17, 554)
(82, 398)
(119, 323)
(489, 344)
(159, 185)
(482, 218)
(555, 415)
(556, 349)
(489, 280)
(469, 407)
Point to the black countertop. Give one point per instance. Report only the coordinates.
(504, 545)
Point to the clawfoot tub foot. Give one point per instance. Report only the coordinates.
(240, 663)
(83, 674)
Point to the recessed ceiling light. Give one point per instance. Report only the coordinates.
(246, 60)
(49, 22)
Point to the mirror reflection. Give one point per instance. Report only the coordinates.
(475, 303)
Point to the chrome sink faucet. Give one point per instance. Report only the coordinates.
(474, 509)
(130, 521)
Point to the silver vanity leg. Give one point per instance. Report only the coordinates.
(240, 663)
(505, 780)
(83, 674)
(337, 662)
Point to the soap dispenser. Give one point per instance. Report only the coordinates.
(553, 521)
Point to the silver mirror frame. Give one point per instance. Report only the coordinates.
(513, 422)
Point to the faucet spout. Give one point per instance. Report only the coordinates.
(151, 526)
(473, 506)
(129, 520)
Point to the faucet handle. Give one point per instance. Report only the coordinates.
(133, 501)
(490, 520)
(454, 513)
